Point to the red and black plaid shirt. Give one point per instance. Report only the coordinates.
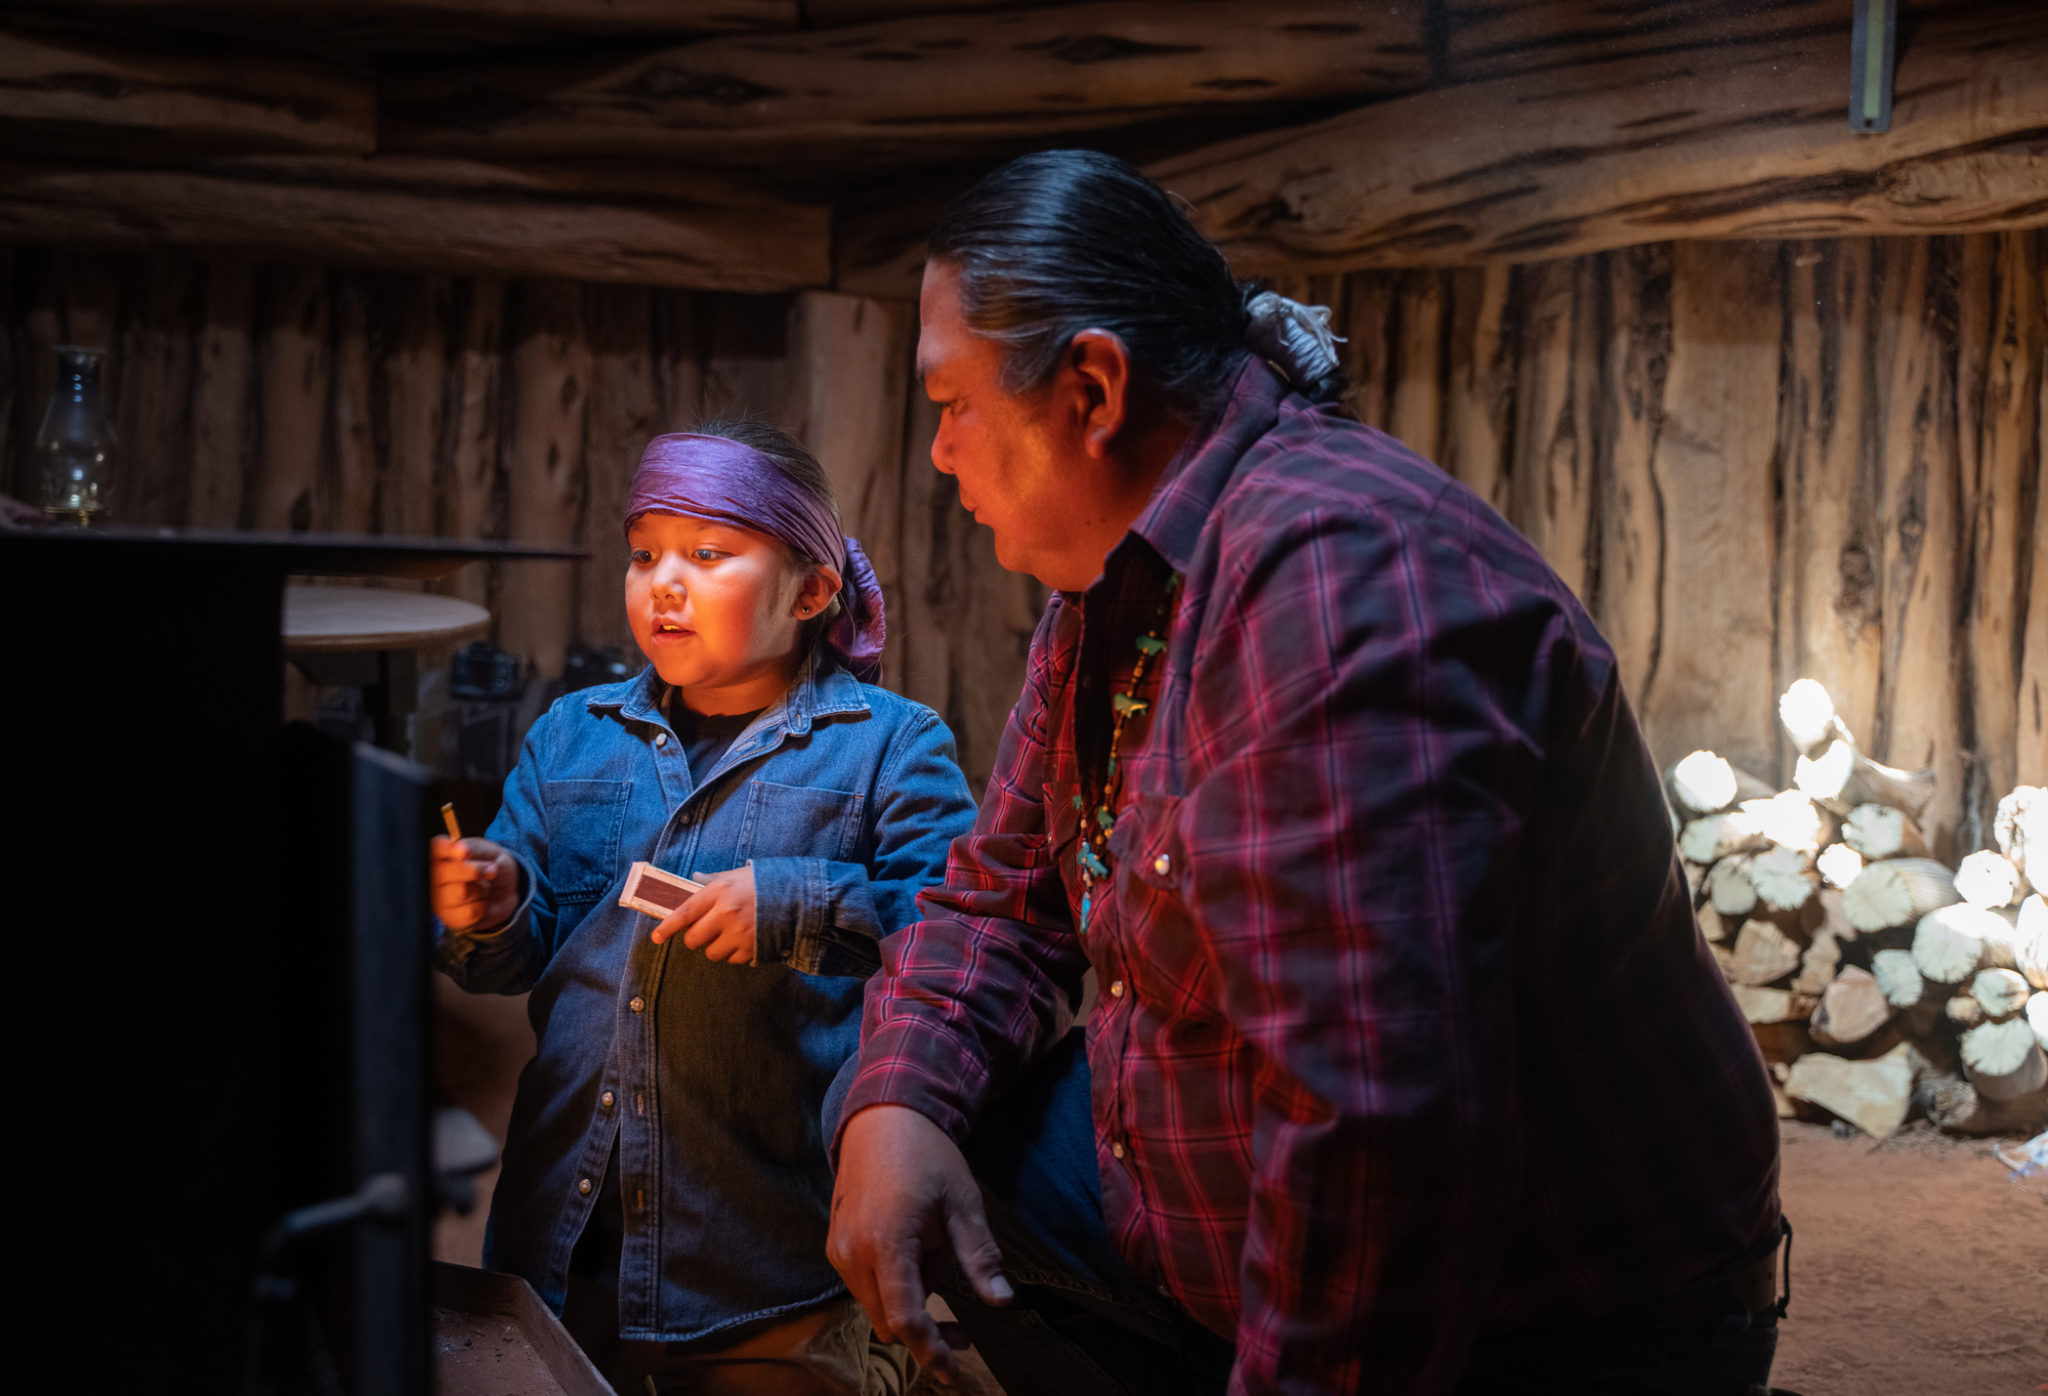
(1405, 1025)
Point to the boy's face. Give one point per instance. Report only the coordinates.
(713, 606)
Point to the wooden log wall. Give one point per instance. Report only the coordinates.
(288, 397)
(1755, 461)
(1759, 461)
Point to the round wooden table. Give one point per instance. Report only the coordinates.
(370, 636)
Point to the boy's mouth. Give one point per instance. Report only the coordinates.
(665, 629)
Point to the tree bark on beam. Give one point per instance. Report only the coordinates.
(825, 14)
(918, 89)
(1496, 38)
(433, 215)
(58, 87)
(1741, 140)
(471, 16)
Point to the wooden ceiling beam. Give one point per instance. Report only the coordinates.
(432, 215)
(56, 87)
(489, 17)
(1499, 38)
(915, 90)
(1744, 139)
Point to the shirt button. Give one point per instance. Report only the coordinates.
(1116, 988)
(606, 1100)
(584, 1187)
(1163, 864)
(661, 739)
(1165, 1291)
(637, 1004)
(1116, 1150)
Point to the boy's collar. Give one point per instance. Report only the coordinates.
(822, 688)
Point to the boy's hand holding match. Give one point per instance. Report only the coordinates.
(718, 920)
(474, 883)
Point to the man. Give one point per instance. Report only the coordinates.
(1410, 1071)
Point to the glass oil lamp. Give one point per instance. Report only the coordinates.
(76, 446)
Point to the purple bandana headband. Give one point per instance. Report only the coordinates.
(712, 477)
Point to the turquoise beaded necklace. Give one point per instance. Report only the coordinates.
(1094, 840)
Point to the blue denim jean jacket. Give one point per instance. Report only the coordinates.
(845, 798)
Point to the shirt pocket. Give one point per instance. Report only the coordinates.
(1165, 960)
(586, 819)
(800, 821)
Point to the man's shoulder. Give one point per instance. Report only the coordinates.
(1324, 491)
(1320, 469)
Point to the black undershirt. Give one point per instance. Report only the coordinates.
(705, 736)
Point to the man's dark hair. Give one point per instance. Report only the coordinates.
(1068, 240)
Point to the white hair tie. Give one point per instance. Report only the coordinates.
(1295, 337)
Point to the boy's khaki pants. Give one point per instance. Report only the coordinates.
(828, 1351)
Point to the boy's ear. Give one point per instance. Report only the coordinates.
(819, 586)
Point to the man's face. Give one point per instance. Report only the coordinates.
(1019, 459)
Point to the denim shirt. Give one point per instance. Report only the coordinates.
(845, 798)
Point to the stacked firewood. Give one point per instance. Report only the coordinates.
(1880, 981)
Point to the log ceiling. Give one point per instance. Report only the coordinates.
(764, 145)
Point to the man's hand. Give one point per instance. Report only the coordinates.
(903, 1197)
(718, 920)
(474, 884)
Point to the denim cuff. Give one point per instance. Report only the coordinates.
(791, 898)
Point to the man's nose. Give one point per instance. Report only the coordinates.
(942, 450)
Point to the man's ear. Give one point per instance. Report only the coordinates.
(1102, 367)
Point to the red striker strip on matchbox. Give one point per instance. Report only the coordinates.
(655, 892)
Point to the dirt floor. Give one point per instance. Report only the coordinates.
(1919, 1267)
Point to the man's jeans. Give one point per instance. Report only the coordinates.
(1085, 1324)
(1083, 1321)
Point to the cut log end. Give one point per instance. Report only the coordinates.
(2020, 826)
(1873, 1095)
(1701, 784)
(1784, 879)
(1988, 879)
(1729, 889)
(1879, 831)
(1763, 954)
(1789, 819)
(2002, 993)
(1808, 714)
(1952, 943)
(1852, 1009)
(1898, 977)
(1717, 836)
(2004, 1060)
(1838, 865)
(1897, 892)
(1760, 1005)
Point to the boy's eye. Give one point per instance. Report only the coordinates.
(706, 554)
(641, 555)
